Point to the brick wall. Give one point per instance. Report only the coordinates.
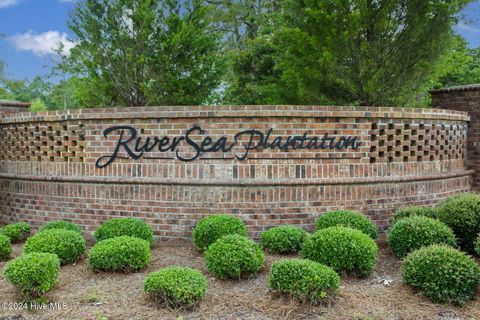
(13, 106)
(406, 156)
(464, 98)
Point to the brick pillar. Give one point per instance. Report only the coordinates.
(13, 106)
(464, 98)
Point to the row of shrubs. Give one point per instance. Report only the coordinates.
(343, 243)
(427, 238)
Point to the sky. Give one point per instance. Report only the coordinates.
(32, 28)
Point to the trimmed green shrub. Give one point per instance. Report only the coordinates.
(61, 224)
(118, 227)
(349, 219)
(5, 247)
(412, 233)
(233, 257)
(304, 279)
(283, 239)
(33, 273)
(210, 229)
(66, 244)
(342, 249)
(477, 245)
(414, 211)
(442, 273)
(462, 214)
(125, 254)
(177, 286)
(16, 231)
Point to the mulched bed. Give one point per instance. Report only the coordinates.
(90, 295)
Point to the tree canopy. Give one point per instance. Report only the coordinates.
(145, 52)
(340, 52)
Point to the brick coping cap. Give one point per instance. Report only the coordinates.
(229, 111)
(468, 87)
(10, 103)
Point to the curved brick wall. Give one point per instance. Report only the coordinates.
(387, 158)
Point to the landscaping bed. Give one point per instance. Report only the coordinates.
(106, 295)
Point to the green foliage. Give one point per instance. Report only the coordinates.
(462, 66)
(349, 219)
(74, 92)
(66, 244)
(233, 257)
(211, 228)
(27, 91)
(255, 78)
(61, 224)
(477, 245)
(462, 214)
(145, 52)
(125, 254)
(442, 273)
(364, 52)
(414, 211)
(283, 239)
(411, 233)
(304, 279)
(5, 247)
(33, 273)
(244, 20)
(16, 231)
(124, 227)
(37, 106)
(177, 286)
(342, 249)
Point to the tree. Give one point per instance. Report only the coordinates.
(27, 91)
(462, 66)
(145, 52)
(73, 93)
(367, 52)
(247, 25)
(4, 94)
(254, 77)
(37, 106)
(242, 20)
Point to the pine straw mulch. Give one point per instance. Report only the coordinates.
(91, 296)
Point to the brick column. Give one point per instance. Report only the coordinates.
(464, 98)
(13, 106)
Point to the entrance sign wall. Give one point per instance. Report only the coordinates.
(269, 165)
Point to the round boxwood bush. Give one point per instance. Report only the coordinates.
(66, 244)
(118, 227)
(442, 273)
(304, 279)
(283, 239)
(211, 228)
(16, 231)
(125, 254)
(342, 249)
(33, 273)
(414, 211)
(411, 233)
(177, 286)
(60, 224)
(5, 247)
(349, 219)
(462, 214)
(233, 257)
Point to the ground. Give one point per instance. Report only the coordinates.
(100, 296)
